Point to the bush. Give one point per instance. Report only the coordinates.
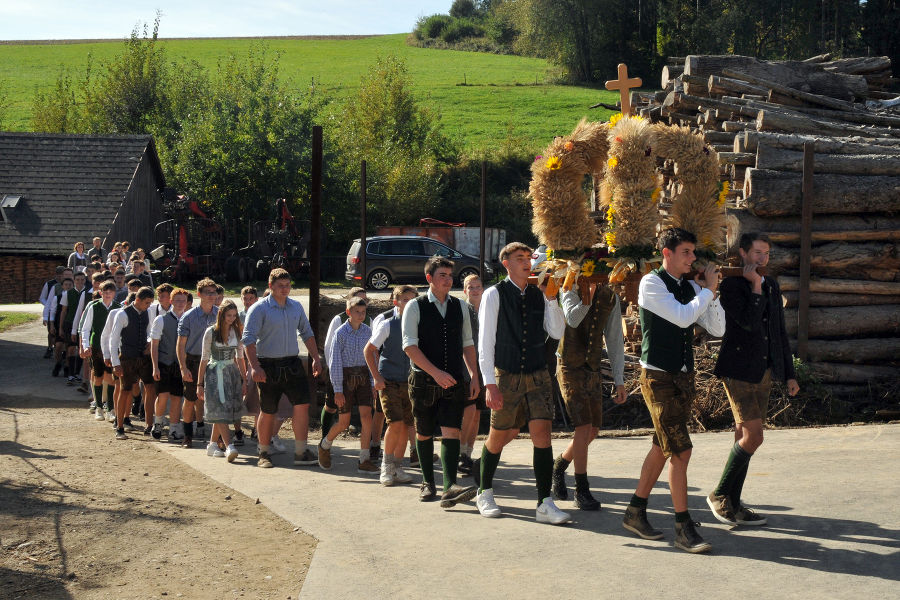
(462, 9)
(501, 31)
(433, 26)
(460, 29)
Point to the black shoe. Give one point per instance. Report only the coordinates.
(253, 434)
(427, 493)
(687, 538)
(635, 521)
(476, 472)
(558, 488)
(148, 429)
(375, 454)
(56, 369)
(48, 353)
(585, 501)
(187, 442)
(141, 414)
(465, 465)
(457, 494)
(238, 438)
(127, 423)
(157, 431)
(136, 407)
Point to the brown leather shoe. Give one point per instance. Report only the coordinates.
(324, 457)
(187, 442)
(367, 467)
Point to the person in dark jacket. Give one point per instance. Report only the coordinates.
(754, 351)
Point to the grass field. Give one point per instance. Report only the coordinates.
(8, 320)
(482, 98)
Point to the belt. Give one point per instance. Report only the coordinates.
(278, 362)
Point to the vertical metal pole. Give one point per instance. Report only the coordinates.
(362, 233)
(481, 248)
(315, 243)
(806, 215)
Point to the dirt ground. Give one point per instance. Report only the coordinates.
(85, 516)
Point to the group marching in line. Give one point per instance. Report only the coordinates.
(427, 368)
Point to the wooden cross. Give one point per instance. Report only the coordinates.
(624, 85)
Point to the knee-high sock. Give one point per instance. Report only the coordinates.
(738, 485)
(737, 460)
(450, 460)
(425, 448)
(327, 419)
(543, 471)
(489, 463)
(110, 397)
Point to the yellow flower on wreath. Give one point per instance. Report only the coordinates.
(587, 269)
(615, 119)
(554, 163)
(723, 195)
(610, 241)
(654, 195)
(612, 162)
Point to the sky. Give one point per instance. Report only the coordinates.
(115, 19)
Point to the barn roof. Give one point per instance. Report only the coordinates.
(71, 187)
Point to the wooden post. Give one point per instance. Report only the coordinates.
(481, 233)
(362, 234)
(315, 243)
(805, 251)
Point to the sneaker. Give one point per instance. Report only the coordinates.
(99, 415)
(721, 508)
(305, 458)
(157, 431)
(70, 380)
(636, 522)
(135, 407)
(265, 461)
(548, 513)
(253, 434)
(175, 436)
(277, 445)
(231, 453)
(111, 416)
(239, 438)
(745, 516)
(427, 492)
(324, 457)
(387, 474)
(401, 476)
(687, 538)
(148, 429)
(486, 505)
(92, 406)
(120, 434)
(366, 467)
(558, 488)
(465, 465)
(78, 378)
(212, 449)
(128, 425)
(413, 459)
(84, 389)
(585, 501)
(456, 494)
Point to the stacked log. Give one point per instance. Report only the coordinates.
(757, 116)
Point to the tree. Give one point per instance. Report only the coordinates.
(462, 9)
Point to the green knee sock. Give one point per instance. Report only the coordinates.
(738, 485)
(737, 459)
(543, 471)
(425, 448)
(98, 395)
(450, 460)
(489, 463)
(327, 419)
(110, 395)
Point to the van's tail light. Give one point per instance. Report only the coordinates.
(355, 260)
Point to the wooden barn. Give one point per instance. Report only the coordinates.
(59, 189)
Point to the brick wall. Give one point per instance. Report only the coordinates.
(21, 277)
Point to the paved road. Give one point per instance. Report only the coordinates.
(831, 495)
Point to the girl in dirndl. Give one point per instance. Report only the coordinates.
(221, 382)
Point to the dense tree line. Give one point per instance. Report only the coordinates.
(587, 38)
(237, 137)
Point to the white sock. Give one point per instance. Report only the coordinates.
(326, 444)
(157, 420)
(363, 455)
(465, 450)
(299, 446)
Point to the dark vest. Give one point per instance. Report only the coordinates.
(393, 363)
(72, 297)
(440, 338)
(98, 321)
(582, 346)
(169, 339)
(521, 339)
(134, 335)
(665, 345)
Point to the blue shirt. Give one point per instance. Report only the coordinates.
(274, 328)
(193, 324)
(347, 351)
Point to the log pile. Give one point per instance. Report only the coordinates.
(757, 116)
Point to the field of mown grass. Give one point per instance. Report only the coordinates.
(482, 98)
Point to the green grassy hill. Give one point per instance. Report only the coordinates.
(482, 98)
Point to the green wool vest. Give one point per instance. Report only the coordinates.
(665, 345)
(72, 298)
(582, 345)
(521, 340)
(99, 320)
